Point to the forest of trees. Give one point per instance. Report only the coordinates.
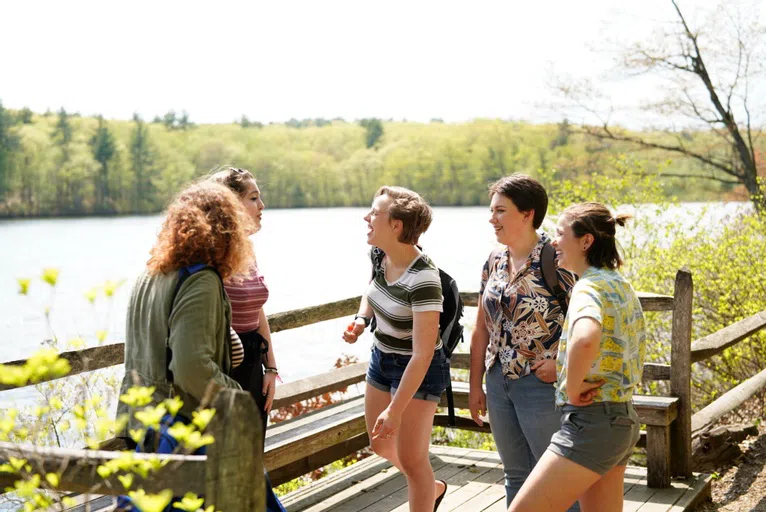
(57, 164)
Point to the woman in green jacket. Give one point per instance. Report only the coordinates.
(177, 337)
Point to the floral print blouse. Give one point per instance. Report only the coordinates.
(522, 316)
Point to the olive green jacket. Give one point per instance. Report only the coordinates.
(199, 338)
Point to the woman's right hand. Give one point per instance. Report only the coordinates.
(477, 404)
(353, 331)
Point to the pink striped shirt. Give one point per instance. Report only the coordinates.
(247, 299)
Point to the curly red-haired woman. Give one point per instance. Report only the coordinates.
(203, 241)
(177, 337)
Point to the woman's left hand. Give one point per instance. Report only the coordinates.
(269, 387)
(545, 370)
(387, 425)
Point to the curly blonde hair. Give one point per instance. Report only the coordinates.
(206, 223)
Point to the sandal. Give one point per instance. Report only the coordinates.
(441, 496)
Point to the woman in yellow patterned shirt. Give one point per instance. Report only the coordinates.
(599, 364)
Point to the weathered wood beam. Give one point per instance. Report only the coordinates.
(728, 402)
(658, 456)
(719, 446)
(292, 440)
(655, 302)
(313, 314)
(680, 378)
(182, 474)
(85, 360)
(461, 423)
(319, 459)
(293, 392)
(656, 371)
(234, 479)
(719, 341)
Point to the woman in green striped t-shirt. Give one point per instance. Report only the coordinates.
(408, 369)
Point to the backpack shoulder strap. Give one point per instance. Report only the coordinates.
(376, 256)
(551, 276)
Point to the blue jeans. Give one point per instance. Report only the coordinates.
(523, 417)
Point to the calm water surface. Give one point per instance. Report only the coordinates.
(309, 256)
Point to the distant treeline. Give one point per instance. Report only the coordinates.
(62, 164)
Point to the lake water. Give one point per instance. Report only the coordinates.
(308, 256)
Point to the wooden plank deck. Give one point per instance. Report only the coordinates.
(475, 480)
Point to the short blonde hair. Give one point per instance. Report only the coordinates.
(408, 207)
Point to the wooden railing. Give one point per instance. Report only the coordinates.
(293, 459)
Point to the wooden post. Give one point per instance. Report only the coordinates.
(234, 479)
(658, 456)
(680, 377)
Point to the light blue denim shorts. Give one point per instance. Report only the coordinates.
(386, 371)
(598, 436)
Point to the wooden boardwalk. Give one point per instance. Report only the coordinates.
(475, 479)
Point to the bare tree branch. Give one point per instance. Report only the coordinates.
(683, 175)
(740, 51)
(727, 115)
(697, 112)
(749, 127)
(605, 133)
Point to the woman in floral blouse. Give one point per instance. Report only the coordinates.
(517, 331)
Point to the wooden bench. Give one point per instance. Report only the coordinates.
(656, 412)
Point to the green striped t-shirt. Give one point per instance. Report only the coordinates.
(418, 289)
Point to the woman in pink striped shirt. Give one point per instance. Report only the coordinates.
(253, 362)
(255, 366)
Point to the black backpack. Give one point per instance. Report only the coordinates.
(450, 330)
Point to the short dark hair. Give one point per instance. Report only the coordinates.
(597, 220)
(408, 207)
(526, 193)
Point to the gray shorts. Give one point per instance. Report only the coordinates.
(598, 436)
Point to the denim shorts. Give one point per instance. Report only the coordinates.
(386, 370)
(598, 436)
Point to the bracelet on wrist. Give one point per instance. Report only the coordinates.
(270, 369)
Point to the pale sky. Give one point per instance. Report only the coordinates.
(278, 59)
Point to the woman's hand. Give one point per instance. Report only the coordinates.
(269, 387)
(585, 394)
(545, 370)
(353, 331)
(387, 425)
(477, 404)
